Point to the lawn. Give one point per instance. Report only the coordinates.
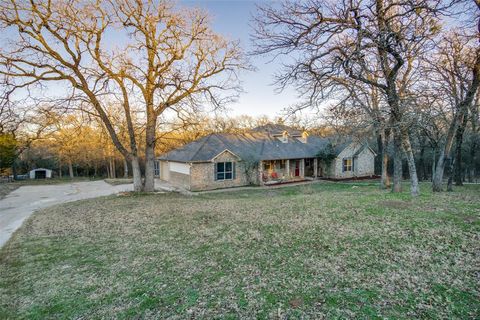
(328, 250)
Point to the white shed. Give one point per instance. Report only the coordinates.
(40, 173)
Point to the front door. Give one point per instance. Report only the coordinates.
(297, 168)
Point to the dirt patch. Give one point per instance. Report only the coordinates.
(117, 182)
(295, 303)
(470, 219)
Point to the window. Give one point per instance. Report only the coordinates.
(224, 171)
(347, 164)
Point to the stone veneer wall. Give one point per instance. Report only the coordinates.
(364, 163)
(202, 174)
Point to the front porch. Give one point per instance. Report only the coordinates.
(290, 170)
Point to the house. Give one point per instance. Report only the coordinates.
(40, 173)
(265, 155)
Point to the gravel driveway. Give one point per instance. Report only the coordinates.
(21, 203)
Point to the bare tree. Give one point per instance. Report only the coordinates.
(376, 42)
(164, 60)
(455, 75)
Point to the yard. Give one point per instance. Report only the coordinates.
(328, 250)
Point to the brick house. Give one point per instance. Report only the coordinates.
(265, 155)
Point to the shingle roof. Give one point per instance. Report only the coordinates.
(277, 129)
(259, 144)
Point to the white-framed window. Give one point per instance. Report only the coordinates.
(347, 164)
(224, 170)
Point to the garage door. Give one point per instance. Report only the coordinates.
(180, 167)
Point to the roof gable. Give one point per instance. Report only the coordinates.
(226, 151)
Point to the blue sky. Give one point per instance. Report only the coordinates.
(232, 19)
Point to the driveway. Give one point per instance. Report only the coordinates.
(21, 203)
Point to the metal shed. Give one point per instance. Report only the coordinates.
(40, 173)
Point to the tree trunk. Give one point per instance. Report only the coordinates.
(137, 175)
(457, 168)
(108, 170)
(385, 180)
(150, 152)
(421, 164)
(70, 169)
(472, 159)
(438, 174)
(414, 187)
(14, 170)
(445, 153)
(113, 170)
(125, 168)
(461, 111)
(397, 162)
(434, 161)
(451, 165)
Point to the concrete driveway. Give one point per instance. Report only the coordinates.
(21, 203)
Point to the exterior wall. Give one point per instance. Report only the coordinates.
(202, 174)
(324, 169)
(177, 173)
(164, 170)
(364, 163)
(199, 176)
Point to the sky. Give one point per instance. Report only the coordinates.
(232, 18)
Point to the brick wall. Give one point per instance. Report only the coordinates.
(202, 175)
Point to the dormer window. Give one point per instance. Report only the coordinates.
(284, 137)
(304, 137)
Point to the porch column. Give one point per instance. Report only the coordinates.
(302, 168)
(315, 168)
(287, 168)
(260, 172)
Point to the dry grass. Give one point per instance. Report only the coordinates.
(6, 188)
(319, 251)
